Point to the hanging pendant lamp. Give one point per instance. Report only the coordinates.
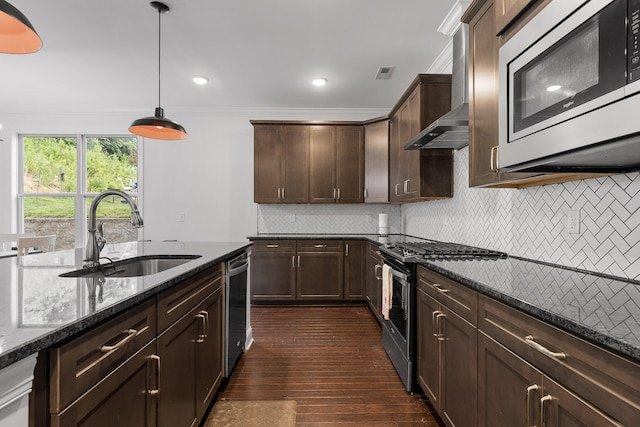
(17, 35)
(158, 126)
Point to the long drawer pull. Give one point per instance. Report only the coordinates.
(439, 288)
(542, 349)
(273, 246)
(319, 246)
(530, 390)
(441, 331)
(434, 323)
(131, 334)
(157, 389)
(202, 335)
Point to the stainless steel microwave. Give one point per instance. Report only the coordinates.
(569, 87)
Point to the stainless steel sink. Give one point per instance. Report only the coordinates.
(133, 267)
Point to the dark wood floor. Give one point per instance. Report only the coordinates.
(331, 362)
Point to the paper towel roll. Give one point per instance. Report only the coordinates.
(383, 220)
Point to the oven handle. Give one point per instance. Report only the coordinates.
(403, 277)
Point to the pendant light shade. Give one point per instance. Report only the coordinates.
(158, 126)
(17, 35)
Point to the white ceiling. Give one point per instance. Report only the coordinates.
(102, 55)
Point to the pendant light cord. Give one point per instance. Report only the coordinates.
(159, 52)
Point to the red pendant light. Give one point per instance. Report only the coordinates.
(17, 35)
(158, 126)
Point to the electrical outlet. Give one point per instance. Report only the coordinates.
(572, 224)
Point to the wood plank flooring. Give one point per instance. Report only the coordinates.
(331, 361)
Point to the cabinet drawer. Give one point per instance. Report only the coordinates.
(84, 361)
(374, 252)
(274, 246)
(179, 300)
(604, 379)
(455, 296)
(320, 246)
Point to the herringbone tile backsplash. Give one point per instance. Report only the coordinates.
(526, 222)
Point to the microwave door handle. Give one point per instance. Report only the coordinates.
(494, 155)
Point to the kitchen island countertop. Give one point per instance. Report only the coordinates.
(39, 309)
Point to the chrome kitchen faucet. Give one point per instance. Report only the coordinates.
(96, 241)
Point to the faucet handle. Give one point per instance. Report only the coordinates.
(100, 240)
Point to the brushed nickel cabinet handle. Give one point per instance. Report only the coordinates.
(366, 194)
(440, 289)
(201, 333)
(157, 389)
(346, 249)
(338, 194)
(282, 193)
(375, 271)
(298, 261)
(434, 323)
(396, 189)
(319, 246)
(334, 194)
(492, 154)
(206, 322)
(293, 261)
(441, 330)
(131, 333)
(272, 246)
(530, 390)
(542, 349)
(279, 193)
(543, 401)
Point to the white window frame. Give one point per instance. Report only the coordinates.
(81, 194)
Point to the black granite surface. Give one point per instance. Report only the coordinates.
(604, 310)
(39, 309)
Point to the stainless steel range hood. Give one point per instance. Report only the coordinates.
(452, 129)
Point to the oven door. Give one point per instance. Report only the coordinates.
(568, 69)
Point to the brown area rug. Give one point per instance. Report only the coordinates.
(253, 413)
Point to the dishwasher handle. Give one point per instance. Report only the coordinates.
(238, 265)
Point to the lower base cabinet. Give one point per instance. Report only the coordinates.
(158, 364)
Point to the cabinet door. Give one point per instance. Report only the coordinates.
(320, 275)
(507, 11)
(376, 162)
(395, 153)
(123, 398)
(428, 347)
(350, 164)
(354, 269)
(295, 165)
(323, 164)
(411, 125)
(459, 370)
(561, 408)
(509, 389)
(209, 345)
(267, 164)
(273, 276)
(177, 400)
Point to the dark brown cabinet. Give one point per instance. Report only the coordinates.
(485, 19)
(273, 270)
(190, 350)
(419, 174)
(281, 163)
(376, 161)
(320, 269)
(337, 164)
(373, 292)
(447, 347)
(300, 270)
(354, 269)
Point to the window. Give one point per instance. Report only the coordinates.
(61, 175)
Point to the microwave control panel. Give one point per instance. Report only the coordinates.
(633, 34)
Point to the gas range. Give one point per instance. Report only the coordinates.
(436, 250)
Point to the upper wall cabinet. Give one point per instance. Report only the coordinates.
(416, 175)
(376, 161)
(484, 47)
(506, 11)
(281, 163)
(337, 164)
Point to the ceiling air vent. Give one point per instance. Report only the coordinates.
(384, 73)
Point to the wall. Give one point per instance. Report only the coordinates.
(208, 177)
(531, 222)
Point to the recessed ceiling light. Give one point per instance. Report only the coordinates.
(319, 82)
(200, 80)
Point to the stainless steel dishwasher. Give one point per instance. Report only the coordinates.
(236, 310)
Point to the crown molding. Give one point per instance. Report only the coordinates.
(452, 22)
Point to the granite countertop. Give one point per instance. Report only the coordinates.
(39, 309)
(602, 309)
